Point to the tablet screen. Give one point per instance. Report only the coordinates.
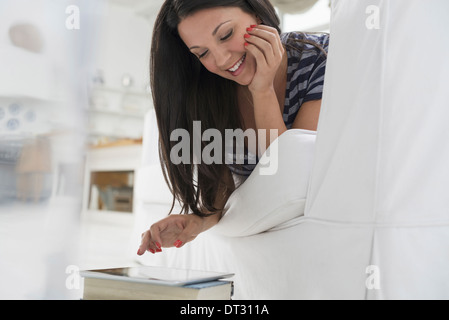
(157, 275)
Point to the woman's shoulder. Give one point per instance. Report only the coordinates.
(306, 41)
(294, 36)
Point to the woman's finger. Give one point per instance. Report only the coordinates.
(155, 232)
(263, 45)
(258, 55)
(151, 239)
(268, 41)
(145, 243)
(272, 31)
(193, 226)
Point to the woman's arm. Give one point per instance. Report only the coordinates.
(265, 45)
(308, 115)
(178, 229)
(268, 116)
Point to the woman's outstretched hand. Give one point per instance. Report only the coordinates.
(178, 229)
(175, 231)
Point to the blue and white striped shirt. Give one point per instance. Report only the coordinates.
(305, 73)
(305, 80)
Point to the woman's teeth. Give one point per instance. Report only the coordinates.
(237, 65)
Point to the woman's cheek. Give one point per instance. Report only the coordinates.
(211, 68)
(210, 64)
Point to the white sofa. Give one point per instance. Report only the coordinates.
(369, 218)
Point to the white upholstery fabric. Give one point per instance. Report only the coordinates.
(382, 151)
(263, 201)
(151, 186)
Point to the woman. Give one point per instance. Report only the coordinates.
(225, 63)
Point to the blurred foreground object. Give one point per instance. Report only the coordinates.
(26, 36)
(34, 170)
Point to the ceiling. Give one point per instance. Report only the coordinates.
(130, 3)
(148, 7)
(293, 6)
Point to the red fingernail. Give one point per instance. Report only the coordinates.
(151, 250)
(246, 44)
(247, 36)
(177, 243)
(158, 245)
(253, 25)
(249, 29)
(159, 250)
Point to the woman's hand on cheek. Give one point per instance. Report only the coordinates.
(265, 45)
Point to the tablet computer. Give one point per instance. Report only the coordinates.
(156, 275)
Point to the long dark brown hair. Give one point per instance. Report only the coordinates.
(184, 92)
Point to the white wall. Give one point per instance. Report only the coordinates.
(315, 19)
(122, 48)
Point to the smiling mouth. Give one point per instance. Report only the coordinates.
(237, 65)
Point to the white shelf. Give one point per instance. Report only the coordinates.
(113, 135)
(122, 91)
(123, 113)
(117, 112)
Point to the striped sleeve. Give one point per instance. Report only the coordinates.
(315, 81)
(305, 73)
(315, 84)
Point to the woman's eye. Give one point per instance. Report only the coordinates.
(226, 37)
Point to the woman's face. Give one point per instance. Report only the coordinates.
(216, 37)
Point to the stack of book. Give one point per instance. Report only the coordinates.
(155, 283)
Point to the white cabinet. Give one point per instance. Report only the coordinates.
(112, 160)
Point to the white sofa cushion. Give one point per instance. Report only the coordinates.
(265, 201)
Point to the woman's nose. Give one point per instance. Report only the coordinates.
(222, 59)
